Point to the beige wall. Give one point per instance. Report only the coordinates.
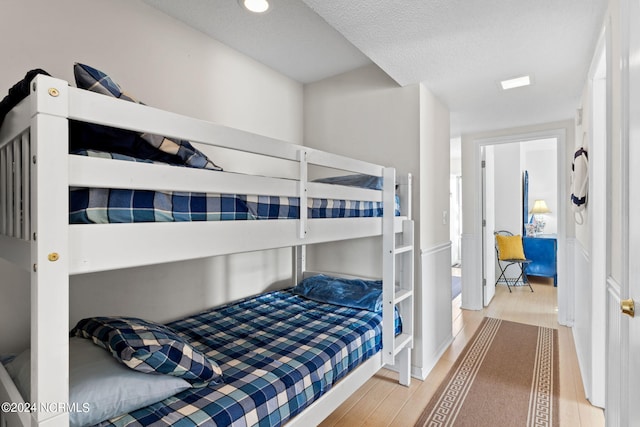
(434, 170)
(157, 59)
(366, 115)
(167, 65)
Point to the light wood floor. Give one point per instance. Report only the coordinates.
(383, 402)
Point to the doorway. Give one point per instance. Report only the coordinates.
(475, 254)
(515, 176)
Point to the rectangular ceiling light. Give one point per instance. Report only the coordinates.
(517, 82)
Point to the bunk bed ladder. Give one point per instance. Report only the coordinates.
(398, 280)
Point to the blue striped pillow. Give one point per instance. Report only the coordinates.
(149, 347)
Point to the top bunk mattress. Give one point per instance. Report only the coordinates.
(104, 205)
(278, 352)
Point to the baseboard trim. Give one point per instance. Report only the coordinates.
(423, 372)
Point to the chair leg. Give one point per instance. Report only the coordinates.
(525, 279)
(502, 276)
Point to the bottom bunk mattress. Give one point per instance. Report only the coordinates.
(104, 205)
(278, 352)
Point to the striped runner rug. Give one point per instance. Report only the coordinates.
(507, 375)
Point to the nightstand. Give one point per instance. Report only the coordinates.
(542, 251)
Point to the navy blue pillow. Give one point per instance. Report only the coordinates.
(356, 180)
(149, 347)
(136, 144)
(354, 293)
(18, 92)
(89, 136)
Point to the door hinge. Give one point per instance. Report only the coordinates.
(484, 222)
(483, 163)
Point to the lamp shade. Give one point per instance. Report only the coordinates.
(539, 207)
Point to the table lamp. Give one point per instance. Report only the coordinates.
(539, 208)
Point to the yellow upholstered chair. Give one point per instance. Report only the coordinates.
(509, 251)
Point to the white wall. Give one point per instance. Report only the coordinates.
(507, 208)
(167, 65)
(508, 188)
(539, 158)
(470, 196)
(591, 266)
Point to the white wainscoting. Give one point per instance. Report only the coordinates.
(582, 325)
(433, 309)
(566, 287)
(589, 322)
(471, 272)
(615, 344)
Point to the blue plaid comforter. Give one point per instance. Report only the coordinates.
(103, 205)
(278, 353)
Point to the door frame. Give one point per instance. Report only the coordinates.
(599, 212)
(623, 340)
(473, 271)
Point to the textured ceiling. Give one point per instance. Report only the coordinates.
(459, 49)
(290, 37)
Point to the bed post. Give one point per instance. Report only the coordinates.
(49, 252)
(300, 251)
(302, 158)
(397, 289)
(388, 266)
(299, 263)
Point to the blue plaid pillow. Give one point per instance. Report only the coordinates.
(149, 347)
(96, 81)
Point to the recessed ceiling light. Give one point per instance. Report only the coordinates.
(255, 6)
(516, 82)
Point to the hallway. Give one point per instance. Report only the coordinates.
(382, 402)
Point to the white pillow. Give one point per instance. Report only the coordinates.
(100, 387)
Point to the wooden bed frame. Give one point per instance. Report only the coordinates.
(36, 172)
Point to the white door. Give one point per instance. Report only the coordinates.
(488, 215)
(632, 327)
(623, 364)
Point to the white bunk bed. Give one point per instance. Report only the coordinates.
(36, 172)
